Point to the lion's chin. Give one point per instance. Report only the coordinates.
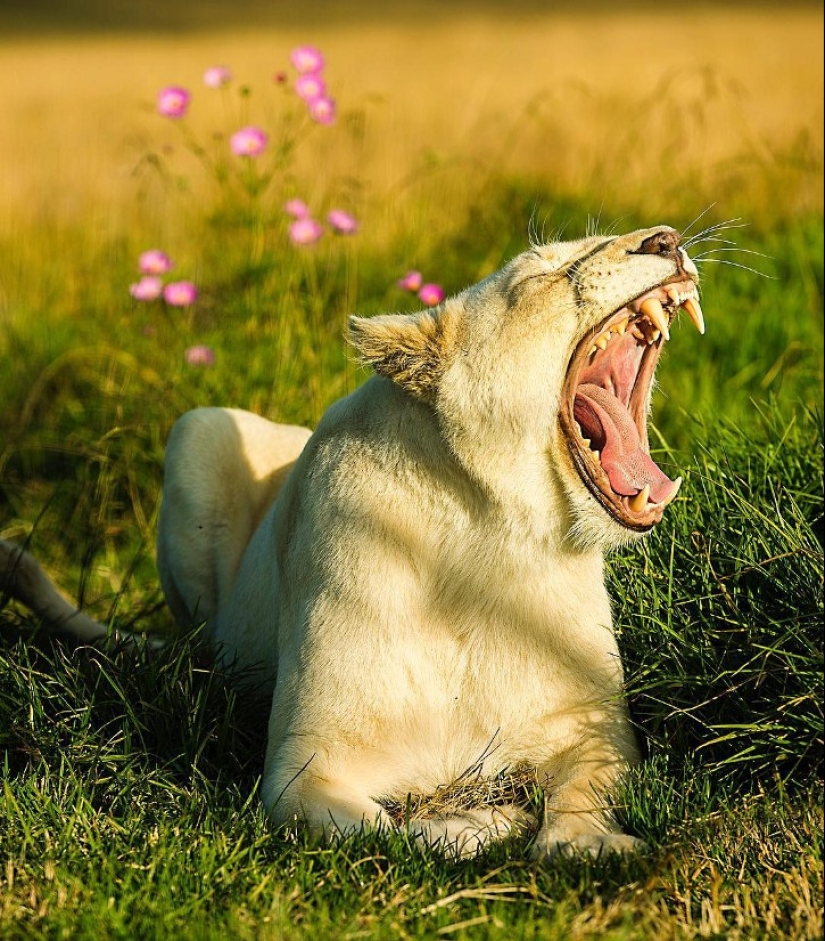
(605, 402)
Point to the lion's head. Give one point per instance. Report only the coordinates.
(542, 373)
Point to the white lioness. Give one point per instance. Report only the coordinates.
(419, 583)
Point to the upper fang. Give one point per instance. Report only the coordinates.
(691, 305)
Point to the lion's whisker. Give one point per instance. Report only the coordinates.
(733, 264)
(715, 230)
(690, 225)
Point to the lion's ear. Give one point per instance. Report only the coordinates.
(411, 349)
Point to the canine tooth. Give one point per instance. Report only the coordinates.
(603, 340)
(652, 308)
(691, 305)
(639, 502)
(676, 485)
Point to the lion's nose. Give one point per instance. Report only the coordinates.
(662, 243)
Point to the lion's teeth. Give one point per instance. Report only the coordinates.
(603, 340)
(652, 308)
(691, 305)
(676, 485)
(639, 503)
(653, 337)
(597, 455)
(620, 327)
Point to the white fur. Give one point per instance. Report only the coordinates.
(424, 591)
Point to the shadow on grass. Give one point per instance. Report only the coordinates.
(168, 709)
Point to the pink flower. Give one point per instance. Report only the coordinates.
(155, 262)
(147, 289)
(342, 222)
(305, 231)
(217, 76)
(411, 281)
(322, 110)
(431, 294)
(180, 293)
(200, 356)
(248, 142)
(307, 59)
(310, 86)
(297, 208)
(173, 101)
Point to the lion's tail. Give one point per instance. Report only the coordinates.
(23, 579)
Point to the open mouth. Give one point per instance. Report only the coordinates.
(606, 399)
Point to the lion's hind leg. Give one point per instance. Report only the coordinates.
(223, 468)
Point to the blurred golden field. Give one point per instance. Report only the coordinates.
(598, 103)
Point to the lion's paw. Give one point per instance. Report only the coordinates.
(466, 834)
(551, 845)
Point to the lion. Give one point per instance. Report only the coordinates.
(418, 584)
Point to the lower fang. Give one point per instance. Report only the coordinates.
(638, 504)
(652, 308)
(672, 496)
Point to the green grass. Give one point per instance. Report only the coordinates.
(129, 805)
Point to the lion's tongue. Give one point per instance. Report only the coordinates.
(608, 424)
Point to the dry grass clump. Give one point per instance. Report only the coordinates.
(514, 787)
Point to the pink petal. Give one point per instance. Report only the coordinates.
(155, 261)
(248, 142)
(431, 294)
(305, 231)
(180, 293)
(173, 101)
(149, 288)
(411, 281)
(310, 86)
(322, 110)
(200, 356)
(307, 59)
(342, 222)
(217, 76)
(297, 208)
